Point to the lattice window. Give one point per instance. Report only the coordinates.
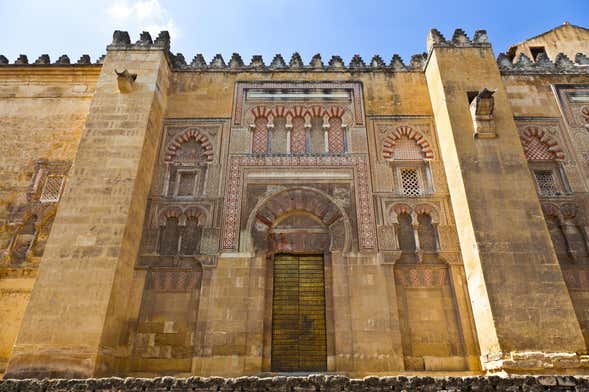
(407, 149)
(546, 182)
(410, 182)
(260, 137)
(538, 151)
(298, 142)
(52, 189)
(278, 136)
(335, 135)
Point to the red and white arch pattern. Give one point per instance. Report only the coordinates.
(538, 145)
(306, 112)
(185, 137)
(176, 212)
(391, 142)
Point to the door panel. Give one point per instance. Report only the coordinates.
(298, 314)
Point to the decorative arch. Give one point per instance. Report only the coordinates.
(428, 209)
(404, 133)
(300, 111)
(197, 213)
(261, 111)
(191, 134)
(315, 111)
(171, 212)
(398, 209)
(281, 111)
(321, 208)
(538, 145)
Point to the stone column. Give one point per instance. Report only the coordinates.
(75, 318)
(523, 314)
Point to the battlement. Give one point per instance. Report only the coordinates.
(459, 40)
(561, 64)
(122, 41)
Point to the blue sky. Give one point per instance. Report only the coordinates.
(266, 27)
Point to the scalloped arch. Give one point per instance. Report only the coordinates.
(171, 212)
(196, 212)
(390, 141)
(428, 209)
(304, 111)
(191, 134)
(402, 208)
(539, 145)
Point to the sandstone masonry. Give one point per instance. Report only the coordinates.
(160, 217)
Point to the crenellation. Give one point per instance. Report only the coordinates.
(397, 64)
(460, 39)
(278, 62)
(63, 60)
(377, 62)
(236, 62)
(316, 62)
(336, 63)
(178, 61)
(121, 38)
(295, 61)
(581, 59)
(435, 37)
(144, 39)
(544, 62)
(217, 62)
(22, 60)
(357, 63)
(257, 63)
(481, 37)
(562, 64)
(418, 62)
(163, 40)
(199, 62)
(43, 60)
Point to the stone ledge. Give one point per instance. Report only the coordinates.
(303, 384)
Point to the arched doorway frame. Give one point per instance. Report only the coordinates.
(267, 257)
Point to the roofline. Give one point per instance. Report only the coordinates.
(512, 47)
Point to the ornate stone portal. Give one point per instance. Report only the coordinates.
(232, 219)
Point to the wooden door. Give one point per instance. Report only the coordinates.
(298, 314)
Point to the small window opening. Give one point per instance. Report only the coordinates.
(471, 95)
(536, 50)
(186, 183)
(410, 182)
(52, 189)
(546, 183)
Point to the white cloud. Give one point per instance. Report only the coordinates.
(142, 15)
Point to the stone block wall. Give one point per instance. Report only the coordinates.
(42, 114)
(160, 260)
